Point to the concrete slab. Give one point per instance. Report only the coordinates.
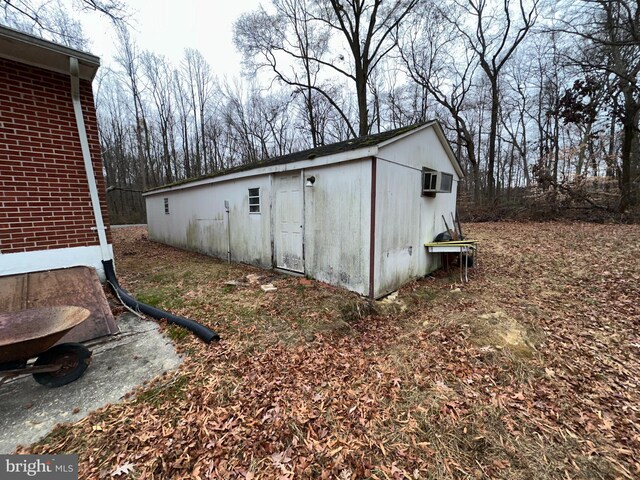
(29, 411)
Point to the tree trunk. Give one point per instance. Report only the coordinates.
(612, 148)
(493, 132)
(629, 129)
(363, 109)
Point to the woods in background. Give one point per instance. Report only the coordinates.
(539, 99)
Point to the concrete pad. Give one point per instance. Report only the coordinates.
(29, 411)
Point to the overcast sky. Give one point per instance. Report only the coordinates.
(167, 27)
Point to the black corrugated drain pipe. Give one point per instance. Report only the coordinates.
(199, 330)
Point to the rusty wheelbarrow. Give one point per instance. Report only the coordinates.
(32, 334)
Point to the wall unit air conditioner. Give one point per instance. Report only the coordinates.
(435, 182)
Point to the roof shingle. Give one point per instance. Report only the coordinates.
(309, 154)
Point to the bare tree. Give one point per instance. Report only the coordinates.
(494, 34)
(506, 98)
(368, 26)
(118, 145)
(158, 75)
(50, 20)
(183, 103)
(197, 74)
(129, 60)
(294, 46)
(300, 33)
(51, 23)
(515, 117)
(434, 61)
(609, 31)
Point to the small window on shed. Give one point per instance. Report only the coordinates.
(166, 206)
(429, 181)
(446, 182)
(254, 200)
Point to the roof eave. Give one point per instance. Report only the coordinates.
(30, 50)
(348, 156)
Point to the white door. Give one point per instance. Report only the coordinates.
(288, 222)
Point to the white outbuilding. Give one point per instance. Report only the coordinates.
(355, 214)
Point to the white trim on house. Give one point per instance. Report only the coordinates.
(40, 260)
(24, 48)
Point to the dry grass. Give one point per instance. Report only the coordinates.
(529, 371)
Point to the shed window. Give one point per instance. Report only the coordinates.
(429, 180)
(166, 206)
(446, 182)
(254, 200)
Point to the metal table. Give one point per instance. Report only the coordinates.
(467, 247)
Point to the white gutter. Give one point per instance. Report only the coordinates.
(30, 50)
(86, 154)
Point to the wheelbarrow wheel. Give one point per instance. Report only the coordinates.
(72, 358)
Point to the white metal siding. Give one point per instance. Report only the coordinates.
(405, 220)
(338, 225)
(198, 220)
(422, 149)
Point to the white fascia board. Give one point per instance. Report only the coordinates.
(40, 260)
(301, 164)
(30, 50)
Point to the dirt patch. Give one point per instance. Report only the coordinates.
(353, 310)
(500, 331)
(391, 304)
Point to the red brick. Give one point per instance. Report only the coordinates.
(44, 198)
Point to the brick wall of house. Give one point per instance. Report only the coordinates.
(44, 195)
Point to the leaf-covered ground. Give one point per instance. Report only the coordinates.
(530, 370)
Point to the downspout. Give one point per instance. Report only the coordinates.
(372, 233)
(228, 209)
(74, 70)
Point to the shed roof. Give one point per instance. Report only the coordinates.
(24, 48)
(373, 140)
